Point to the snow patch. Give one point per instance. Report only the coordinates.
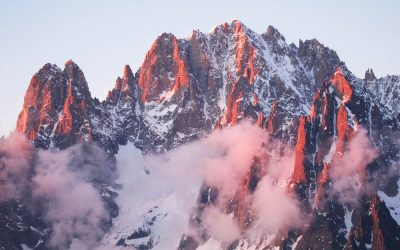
(393, 203)
(329, 156)
(347, 220)
(154, 117)
(296, 242)
(211, 244)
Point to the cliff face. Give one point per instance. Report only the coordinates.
(56, 107)
(43, 100)
(184, 88)
(303, 96)
(341, 109)
(164, 70)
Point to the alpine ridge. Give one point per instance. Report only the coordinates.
(302, 96)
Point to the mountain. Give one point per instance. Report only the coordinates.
(302, 96)
(185, 87)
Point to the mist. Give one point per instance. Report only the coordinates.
(161, 191)
(59, 187)
(349, 171)
(15, 162)
(169, 183)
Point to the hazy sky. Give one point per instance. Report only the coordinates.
(103, 36)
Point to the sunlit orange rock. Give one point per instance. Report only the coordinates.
(233, 105)
(255, 100)
(260, 119)
(64, 126)
(314, 106)
(344, 131)
(323, 178)
(245, 54)
(164, 69)
(342, 85)
(55, 110)
(299, 173)
(271, 122)
(42, 102)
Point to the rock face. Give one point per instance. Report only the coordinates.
(56, 107)
(185, 87)
(303, 96)
(340, 109)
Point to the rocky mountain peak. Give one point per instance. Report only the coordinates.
(319, 59)
(272, 32)
(76, 81)
(302, 96)
(238, 26)
(164, 70)
(340, 81)
(124, 87)
(369, 75)
(216, 77)
(234, 26)
(55, 110)
(128, 73)
(43, 99)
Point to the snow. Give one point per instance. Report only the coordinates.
(167, 94)
(347, 220)
(38, 243)
(25, 247)
(385, 91)
(329, 156)
(282, 68)
(239, 100)
(35, 230)
(296, 242)
(262, 243)
(138, 242)
(275, 67)
(154, 114)
(150, 199)
(393, 203)
(369, 246)
(228, 67)
(352, 119)
(147, 196)
(211, 244)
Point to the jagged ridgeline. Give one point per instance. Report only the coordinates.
(302, 96)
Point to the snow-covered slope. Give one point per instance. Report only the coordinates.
(154, 205)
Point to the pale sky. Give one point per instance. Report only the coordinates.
(103, 36)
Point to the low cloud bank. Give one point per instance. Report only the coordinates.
(171, 181)
(66, 185)
(16, 156)
(348, 171)
(58, 186)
